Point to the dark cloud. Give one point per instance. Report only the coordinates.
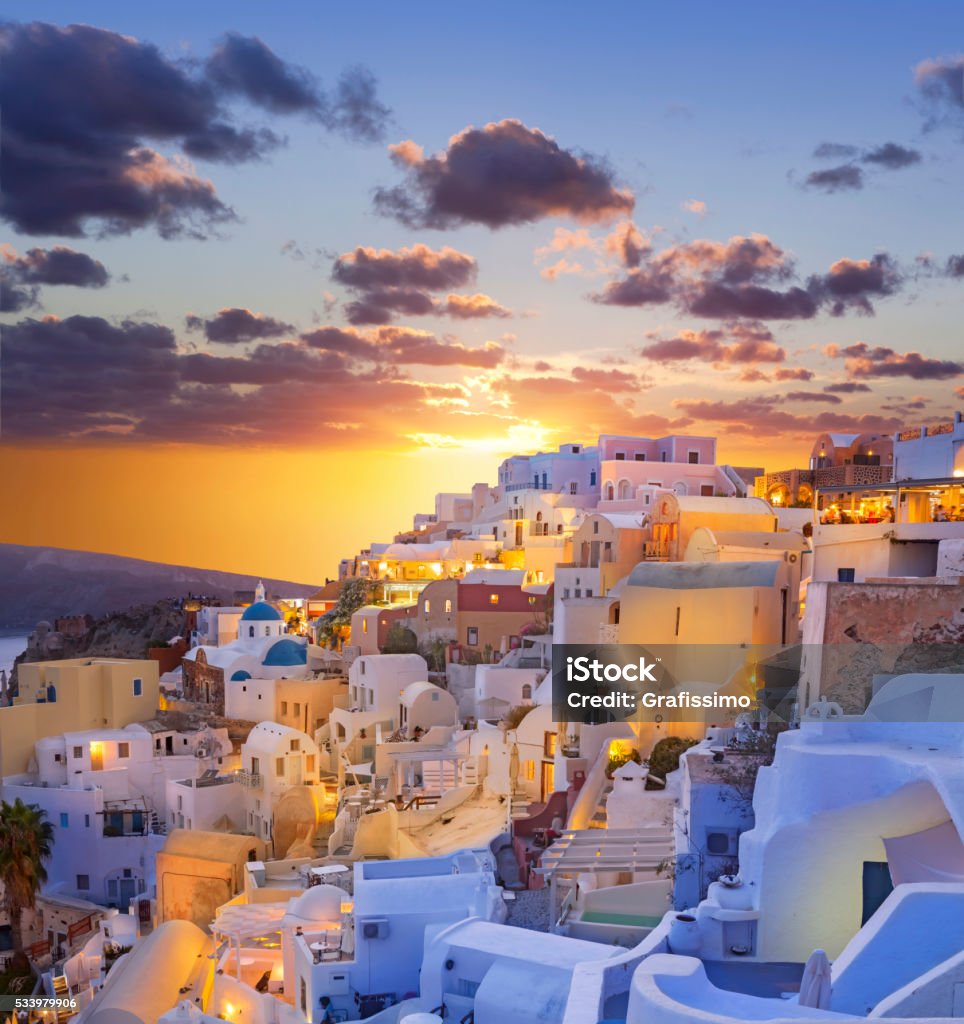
(354, 108)
(749, 278)
(739, 343)
(234, 325)
(244, 65)
(381, 305)
(502, 174)
(940, 81)
(402, 346)
(835, 151)
(846, 387)
(83, 377)
(415, 267)
(392, 282)
(892, 156)
(21, 277)
(955, 266)
(83, 109)
(764, 413)
(812, 396)
(861, 360)
(843, 178)
(850, 284)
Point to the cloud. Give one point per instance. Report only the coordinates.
(892, 156)
(755, 415)
(793, 374)
(750, 278)
(417, 266)
(955, 266)
(391, 282)
(469, 307)
(84, 108)
(940, 82)
(811, 396)
(403, 345)
(499, 175)
(234, 325)
(835, 151)
(696, 206)
(738, 343)
(862, 361)
(21, 277)
(846, 387)
(614, 381)
(843, 178)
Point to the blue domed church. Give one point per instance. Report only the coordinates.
(262, 650)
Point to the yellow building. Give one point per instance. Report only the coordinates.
(73, 695)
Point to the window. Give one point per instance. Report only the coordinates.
(295, 746)
(361, 667)
(565, 593)
(472, 636)
(78, 752)
(427, 606)
(138, 687)
(255, 765)
(310, 763)
(448, 607)
(279, 766)
(83, 883)
(250, 630)
(123, 750)
(267, 631)
(588, 592)
(573, 487)
(592, 478)
(706, 490)
(364, 625)
(595, 526)
(575, 449)
(640, 456)
(693, 458)
(549, 744)
(297, 710)
(532, 600)
(57, 758)
(662, 456)
(284, 707)
(180, 803)
(527, 691)
(493, 598)
(64, 819)
(86, 821)
(620, 456)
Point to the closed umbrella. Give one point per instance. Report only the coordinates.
(514, 766)
(815, 983)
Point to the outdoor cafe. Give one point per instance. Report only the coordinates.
(913, 501)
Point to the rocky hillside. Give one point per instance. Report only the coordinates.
(46, 583)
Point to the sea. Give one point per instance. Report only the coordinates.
(11, 645)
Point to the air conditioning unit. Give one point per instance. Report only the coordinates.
(201, 752)
(376, 928)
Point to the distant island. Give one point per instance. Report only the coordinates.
(46, 583)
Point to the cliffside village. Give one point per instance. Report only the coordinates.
(367, 804)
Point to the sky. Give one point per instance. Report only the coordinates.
(274, 278)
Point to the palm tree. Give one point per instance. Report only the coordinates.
(26, 838)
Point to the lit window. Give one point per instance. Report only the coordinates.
(448, 607)
(493, 598)
(364, 625)
(427, 605)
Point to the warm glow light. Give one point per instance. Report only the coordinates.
(959, 473)
(437, 568)
(96, 747)
(347, 907)
(382, 566)
(228, 1010)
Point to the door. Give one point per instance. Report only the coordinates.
(877, 887)
(518, 534)
(295, 769)
(96, 757)
(548, 782)
(128, 890)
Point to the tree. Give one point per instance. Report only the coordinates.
(26, 838)
(354, 594)
(399, 640)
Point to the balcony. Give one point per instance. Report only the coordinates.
(251, 780)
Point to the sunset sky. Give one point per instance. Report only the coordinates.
(276, 274)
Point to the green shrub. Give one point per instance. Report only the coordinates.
(665, 756)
